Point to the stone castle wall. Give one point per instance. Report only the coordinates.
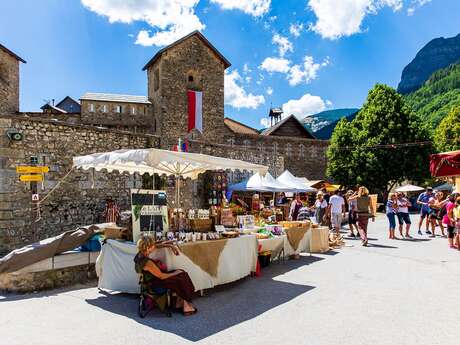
(80, 199)
(9, 83)
(302, 157)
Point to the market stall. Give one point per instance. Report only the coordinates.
(208, 263)
(446, 165)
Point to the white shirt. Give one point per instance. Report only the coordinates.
(321, 204)
(336, 202)
(401, 208)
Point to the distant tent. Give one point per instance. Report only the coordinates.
(296, 183)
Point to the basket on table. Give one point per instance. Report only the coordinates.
(201, 225)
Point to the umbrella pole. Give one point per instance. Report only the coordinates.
(177, 191)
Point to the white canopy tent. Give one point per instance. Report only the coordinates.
(296, 183)
(259, 183)
(409, 188)
(162, 162)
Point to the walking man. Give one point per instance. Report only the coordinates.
(423, 199)
(337, 211)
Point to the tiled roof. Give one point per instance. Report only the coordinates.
(2, 47)
(238, 127)
(111, 97)
(200, 36)
(57, 109)
(270, 130)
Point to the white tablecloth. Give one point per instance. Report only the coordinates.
(115, 265)
(274, 244)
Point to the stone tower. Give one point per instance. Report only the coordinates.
(191, 63)
(9, 81)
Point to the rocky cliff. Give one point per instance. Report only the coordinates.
(438, 53)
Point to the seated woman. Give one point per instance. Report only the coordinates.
(156, 275)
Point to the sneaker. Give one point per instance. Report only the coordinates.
(428, 232)
(420, 232)
(408, 236)
(351, 235)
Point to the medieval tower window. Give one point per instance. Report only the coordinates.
(288, 149)
(156, 79)
(133, 111)
(301, 151)
(104, 108)
(91, 108)
(190, 78)
(119, 109)
(231, 142)
(246, 143)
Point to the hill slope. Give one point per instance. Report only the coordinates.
(317, 121)
(433, 101)
(325, 133)
(436, 54)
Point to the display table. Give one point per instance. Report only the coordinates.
(236, 260)
(318, 240)
(274, 244)
(299, 245)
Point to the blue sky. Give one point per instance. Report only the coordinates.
(340, 49)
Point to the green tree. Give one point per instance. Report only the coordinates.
(447, 134)
(383, 120)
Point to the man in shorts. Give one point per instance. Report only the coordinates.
(337, 211)
(423, 199)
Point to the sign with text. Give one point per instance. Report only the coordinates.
(149, 212)
(31, 178)
(32, 170)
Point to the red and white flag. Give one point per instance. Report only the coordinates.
(195, 110)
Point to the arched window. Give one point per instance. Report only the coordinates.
(301, 151)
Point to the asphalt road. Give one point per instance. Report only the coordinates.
(392, 292)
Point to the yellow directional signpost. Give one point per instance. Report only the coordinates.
(33, 173)
(32, 170)
(31, 178)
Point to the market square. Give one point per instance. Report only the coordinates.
(229, 172)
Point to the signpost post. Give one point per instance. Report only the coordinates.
(33, 173)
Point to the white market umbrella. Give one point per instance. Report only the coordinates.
(409, 188)
(296, 183)
(151, 161)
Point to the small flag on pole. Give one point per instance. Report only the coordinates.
(195, 110)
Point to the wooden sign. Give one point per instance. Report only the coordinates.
(31, 178)
(32, 170)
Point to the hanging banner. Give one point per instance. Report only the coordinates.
(149, 212)
(195, 110)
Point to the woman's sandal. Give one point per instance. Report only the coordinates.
(189, 313)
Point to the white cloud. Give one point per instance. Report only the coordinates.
(273, 64)
(236, 96)
(296, 74)
(246, 69)
(265, 122)
(304, 106)
(337, 18)
(255, 8)
(171, 19)
(269, 91)
(295, 29)
(416, 4)
(283, 44)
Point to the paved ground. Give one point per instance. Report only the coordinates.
(392, 292)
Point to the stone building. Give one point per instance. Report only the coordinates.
(108, 122)
(117, 111)
(9, 81)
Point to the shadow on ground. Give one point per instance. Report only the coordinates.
(222, 307)
(12, 296)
